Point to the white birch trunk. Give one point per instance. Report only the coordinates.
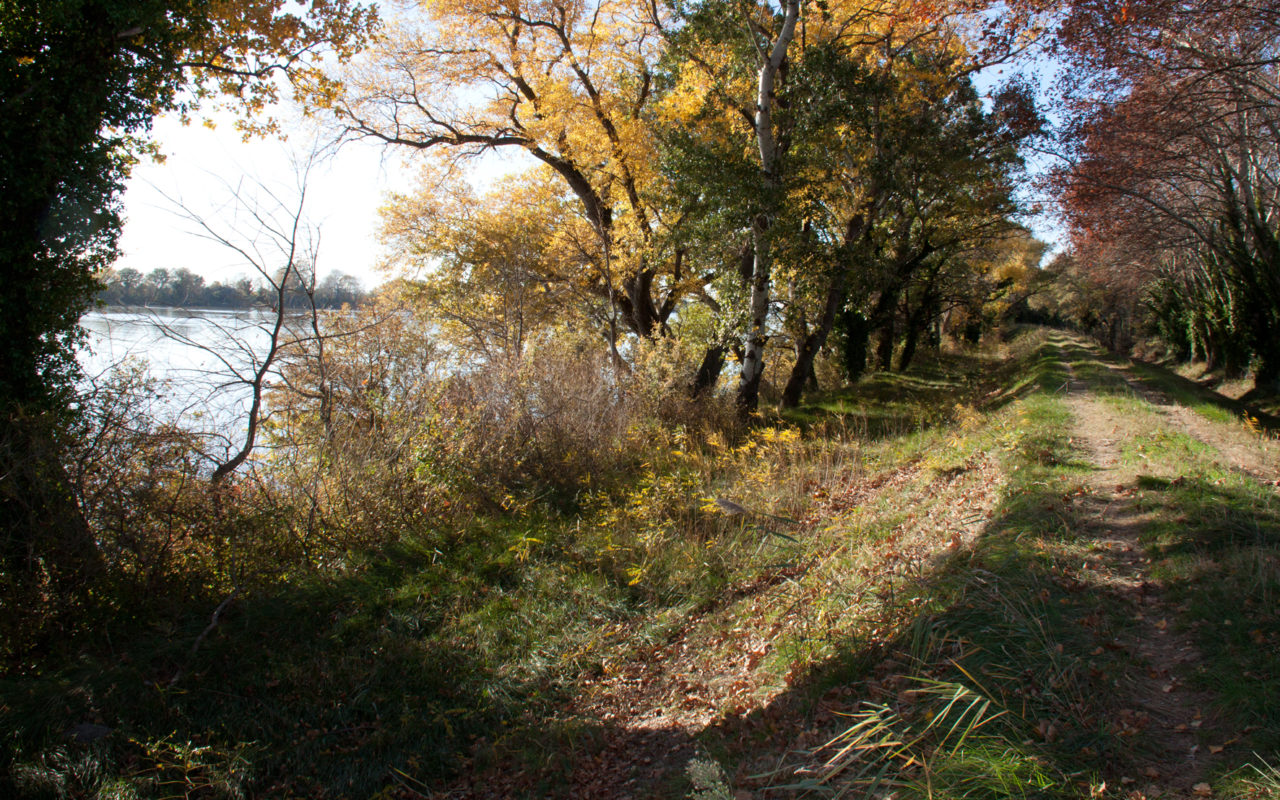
(757, 332)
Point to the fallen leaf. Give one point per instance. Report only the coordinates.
(1202, 789)
(1216, 748)
(1048, 731)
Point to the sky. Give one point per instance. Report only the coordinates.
(202, 165)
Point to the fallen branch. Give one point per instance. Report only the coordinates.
(213, 623)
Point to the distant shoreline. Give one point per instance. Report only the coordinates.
(182, 288)
(135, 307)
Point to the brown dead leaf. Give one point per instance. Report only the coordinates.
(1216, 748)
(1048, 731)
(1202, 790)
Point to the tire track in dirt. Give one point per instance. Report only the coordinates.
(1162, 718)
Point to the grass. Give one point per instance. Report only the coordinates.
(1215, 543)
(1200, 399)
(1023, 625)
(915, 602)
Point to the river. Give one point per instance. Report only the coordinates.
(194, 355)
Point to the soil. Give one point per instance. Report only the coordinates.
(1172, 718)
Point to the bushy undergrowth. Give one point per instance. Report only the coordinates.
(425, 563)
(416, 552)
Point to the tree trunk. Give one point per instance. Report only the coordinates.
(917, 323)
(908, 348)
(767, 144)
(1210, 350)
(802, 372)
(884, 345)
(642, 316)
(708, 372)
(757, 336)
(42, 525)
(856, 335)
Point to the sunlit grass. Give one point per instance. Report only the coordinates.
(457, 649)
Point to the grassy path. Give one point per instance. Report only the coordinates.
(1112, 632)
(1028, 600)
(1180, 505)
(1041, 573)
(1170, 762)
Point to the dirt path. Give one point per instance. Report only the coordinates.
(1164, 718)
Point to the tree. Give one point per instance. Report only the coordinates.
(80, 82)
(910, 173)
(796, 117)
(1173, 154)
(567, 83)
(497, 271)
(281, 249)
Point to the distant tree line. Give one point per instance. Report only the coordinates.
(183, 288)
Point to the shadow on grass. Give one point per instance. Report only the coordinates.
(885, 404)
(1029, 619)
(330, 688)
(1154, 378)
(357, 686)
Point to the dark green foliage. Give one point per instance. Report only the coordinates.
(72, 95)
(185, 289)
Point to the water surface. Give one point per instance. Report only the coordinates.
(200, 358)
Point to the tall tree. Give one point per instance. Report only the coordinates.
(80, 82)
(789, 112)
(566, 82)
(1172, 147)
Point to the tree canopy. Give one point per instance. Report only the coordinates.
(80, 83)
(693, 157)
